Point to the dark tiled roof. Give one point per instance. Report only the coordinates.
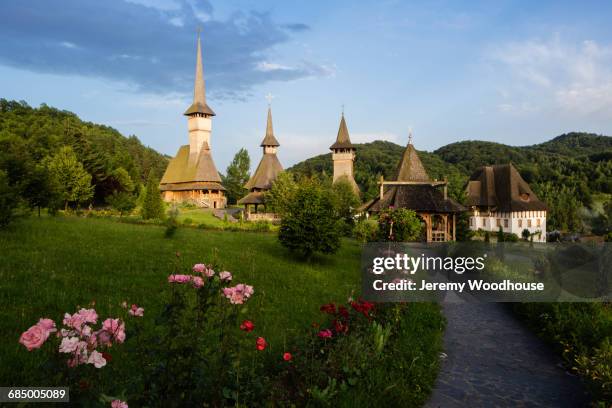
(181, 170)
(254, 197)
(267, 171)
(501, 186)
(419, 198)
(269, 139)
(343, 141)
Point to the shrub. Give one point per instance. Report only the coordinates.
(171, 222)
(152, 206)
(581, 333)
(309, 223)
(122, 201)
(399, 225)
(366, 231)
(188, 221)
(346, 202)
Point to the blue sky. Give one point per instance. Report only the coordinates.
(507, 71)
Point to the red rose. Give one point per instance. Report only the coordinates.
(343, 311)
(329, 308)
(261, 343)
(287, 356)
(247, 326)
(340, 327)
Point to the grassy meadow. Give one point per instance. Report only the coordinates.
(53, 265)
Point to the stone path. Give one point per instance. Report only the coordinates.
(493, 361)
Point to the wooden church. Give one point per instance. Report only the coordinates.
(261, 181)
(191, 176)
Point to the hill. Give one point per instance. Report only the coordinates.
(28, 135)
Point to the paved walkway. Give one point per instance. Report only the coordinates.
(493, 361)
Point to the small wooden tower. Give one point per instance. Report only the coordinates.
(343, 156)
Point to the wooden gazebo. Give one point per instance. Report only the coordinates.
(413, 189)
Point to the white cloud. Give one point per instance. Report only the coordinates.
(563, 77)
(68, 44)
(266, 66)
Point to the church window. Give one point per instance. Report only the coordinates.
(520, 223)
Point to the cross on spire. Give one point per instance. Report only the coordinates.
(410, 136)
(342, 110)
(269, 98)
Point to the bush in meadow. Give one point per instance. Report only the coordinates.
(309, 224)
(152, 204)
(399, 225)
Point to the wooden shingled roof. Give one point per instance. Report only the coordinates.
(502, 187)
(269, 139)
(182, 170)
(268, 169)
(343, 140)
(417, 197)
(199, 89)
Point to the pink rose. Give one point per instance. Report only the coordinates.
(89, 315)
(225, 276)
(325, 334)
(136, 311)
(116, 328)
(47, 324)
(97, 359)
(179, 278)
(238, 294)
(69, 344)
(119, 404)
(198, 282)
(199, 268)
(34, 337)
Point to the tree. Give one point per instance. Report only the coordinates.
(7, 200)
(346, 202)
(525, 234)
(309, 223)
(122, 201)
(153, 206)
(399, 225)
(41, 189)
(73, 181)
(237, 175)
(281, 194)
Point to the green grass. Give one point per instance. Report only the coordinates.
(49, 266)
(199, 216)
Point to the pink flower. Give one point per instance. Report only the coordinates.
(238, 294)
(69, 344)
(225, 276)
(209, 273)
(34, 337)
(136, 311)
(287, 356)
(75, 321)
(198, 282)
(199, 268)
(115, 328)
(119, 404)
(179, 278)
(47, 324)
(325, 334)
(89, 315)
(261, 343)
(97, 359)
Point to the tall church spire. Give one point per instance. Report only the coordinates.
(269, 139)
(199, 90)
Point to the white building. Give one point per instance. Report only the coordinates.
(497, 196)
